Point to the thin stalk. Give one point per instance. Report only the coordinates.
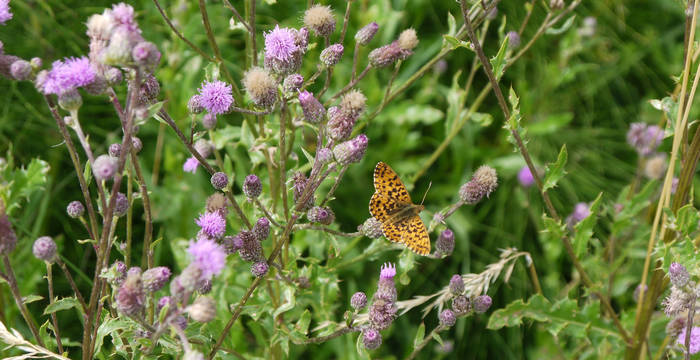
(425, 341)
(355, 55)
(129, 217)
(345, 22)
(335, 185)
(12, 281)
(283, 159)
(179, 34)
(321, 339)
(689, 327)
(238, 16)
(72, 284)
(147, 252)
(49, 279)
(88, 151)
(348, 86)
(267, 213)
(251, 31)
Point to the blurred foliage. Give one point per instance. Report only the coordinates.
(574, 89)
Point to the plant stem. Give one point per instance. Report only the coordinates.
(321, 339)
(425, 341)
(283, 159)
(12, 281)
(72, 284)
(345, 22)
(49, 279)
(147, 252)
(182, 37)
(335, 185)
(267, 213)
(348, 86)
(689, 326)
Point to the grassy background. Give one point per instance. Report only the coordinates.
(574, 90)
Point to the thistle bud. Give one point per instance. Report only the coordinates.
(446, 242)
(252, 187)
(21, 70)
(292, 83)
(209, 121)
(461, 305)
(203, 309)
(130, 298)
(189, 278)
(104, 167)
(260, 86)
(325, 155)
(194, 105)
(353, 103)
(251, 249)
(70, 100)
(136, 144)
(261, 229)
(340, 124)
(232, 244)
(36, 63)
(146, 55)
(366, 34)
(447, 318)
(331, 55)
(678, 274)
(371, 228)
(320, 20)
(513, 39)
(351, 151)
(154, 279)
(321, 215)
(371, 339)
(121, 205)
(75, 209)
(259, 269)
(482, 303)
(456, 284)
(114, 150)
(44, 248)
(358, 301)
(204, 286)
(113, 76)
(312, 108)
(408, 40)
(386, 55)
(219, 180)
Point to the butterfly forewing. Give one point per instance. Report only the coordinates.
(391, 205)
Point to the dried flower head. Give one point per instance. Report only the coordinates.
(194, 104)
(366, 34)
(209, 256)
(104, 167)
(300, 182)
(215, 97)
(189, 279)
(203, 309)
(217, 202)
(320, 20)
(371, 228)
(487, 178)
(75, 209)
(461, 305)
(387, 55)
(655, 167)
(408, 40)
(340, 123)
(252, 187)
(44, 248)
(155, 278)
(260, 86)
(353, 103)
(371, 339)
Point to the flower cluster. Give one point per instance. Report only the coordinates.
(644, 138)
(382, 311)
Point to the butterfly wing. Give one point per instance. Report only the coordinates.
(409, 231)
(388, 184)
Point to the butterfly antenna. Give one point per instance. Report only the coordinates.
(426, 192)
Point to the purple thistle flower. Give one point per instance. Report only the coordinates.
(209, 257)
(292, 83)
(5, 14)
(312, 108)
(513, 39)
(280, 44)
(351, 151)
(250, 248)
(124, 15)
(252, 187)
(482, 303)
(44, 248)
(366, 34)
(75, 209)
(456, 284)
(447, 318)
(154, 279)
(130, 298)
(694, 347)
(581, 211)
(358, 300)
(215, 97)
(68, 74)
(445, 243)
(165, 300)
(644, 138)
(331, 55)
(219, 180)
(386, 289)
(525, 177)
(371, 339)
(190, 164)
(121, 204)
(261, 229)
(388, 271)
(259, 269)
(212, 224)
(678, 274)
(321, 215)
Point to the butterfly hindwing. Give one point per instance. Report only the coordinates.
(416, 237)
(394, 230)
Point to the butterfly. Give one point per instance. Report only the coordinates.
(391, 205)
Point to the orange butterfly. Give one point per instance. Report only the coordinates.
(392, 206)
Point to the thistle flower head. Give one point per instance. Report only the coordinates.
(461, 305)
(209, 257)
(482, 303)
(155, 278)
(321, 215)
(644, 138)
(678, 274)
(340, 123)
(21, 70)
(387, 55)
(655, 167)
(252, 187)
(121, 204)
(581, 211)
(371, 339)
(251, 249)
(261, 229)
(388, 271)
(358, 300)
(75, 209)
(487, 178)
(104, 167)
(351, 151)
(300, 182)
(130, 298)
(353, 103)
(124, 16)
(146, 55)
(219, 180)
(447, 318)
(694, 346)
(68, 74)
(292, 82)
(386, 288)
(260, 86)
(44, 248)
(445, 243)
(280, 44)
(163, 301)
(70, 100)
(190, 164)
(312, 108)
(194, 104)
(456, 284)
(204, 287)
(366, 34)
(209, 121)
(525, 177)
(212, 224)
(331, 55)
(513, 39)
(203, 309)
(259, 269)
(408, 40)
(382, 313)
(5, 14)
(325, 155)
(232, 243)
(320, 20)
(371, 228)
(215, 97)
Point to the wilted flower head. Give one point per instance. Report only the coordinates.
(209, 256)
(678, 274)
(483, 182)
(68, 74)
(194, 104)
(44, 248)
(320, 20)
(203, 309)
(525, 177)
(5, 14)
(261, 87)
(215, 97)
(351, 151)
(366, 34)
(212, 224)
(694, 346)
(461, 305)
(353, 103)
(300, 182)
(408, 40)
(340, 123)
(371, 339)
(655, 167)
(371, 228)
(387, 55)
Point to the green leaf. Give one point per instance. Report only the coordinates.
(498, 62)
(288, 301)
(62, 304)
(438, 338)
(109, 327)
(154, 108)
(31, 298)
(302, 324)
(584, 229)
(454, 43)
(567, 24)
(420, 334)
(451, 24)
(564, 314)
(554, 172)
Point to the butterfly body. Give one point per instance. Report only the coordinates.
(392, 206)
